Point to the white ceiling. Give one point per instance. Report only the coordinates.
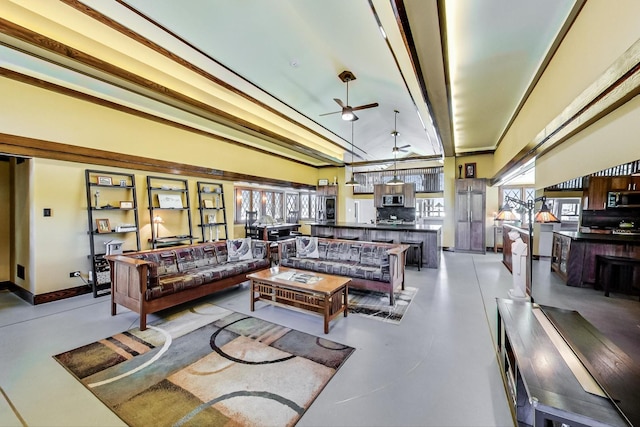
(287, 54)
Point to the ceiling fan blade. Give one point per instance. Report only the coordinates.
(335, 112)
(339, 102)
(404, 146)
(363, 107)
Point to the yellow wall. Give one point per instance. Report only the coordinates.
(5, 221)
(42, 114)
(51, 247)
(599, 36)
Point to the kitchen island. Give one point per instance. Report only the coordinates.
(430, 235)
(574, 254)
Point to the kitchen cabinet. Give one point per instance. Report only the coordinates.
(597, 192)
(560, 255)
(327, 190)
(378, 192)
(470, 215)
(625, 183)
(600, 186)
(409, 191)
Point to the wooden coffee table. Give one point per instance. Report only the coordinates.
(305, 290)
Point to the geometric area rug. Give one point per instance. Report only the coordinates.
(375, 305)
(207, 366)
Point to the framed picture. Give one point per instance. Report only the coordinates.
(126, 205)
(469, 170)
(105, 180)
(103, 225)
(207, 204)
(323, 182)
(170, 201)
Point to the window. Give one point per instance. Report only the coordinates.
(270, 202)
(520, 193)
(430, 208)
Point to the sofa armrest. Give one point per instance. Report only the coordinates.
(128, 273)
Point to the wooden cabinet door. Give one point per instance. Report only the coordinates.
(619, 183)
(409, 195)
(470, 215)
(378, 192)
(463, 225)
(597, 192)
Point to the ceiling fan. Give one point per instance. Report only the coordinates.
(395, 134)
(347, 110)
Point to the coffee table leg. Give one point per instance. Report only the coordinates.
(346, 300)
(252, 295)
(327, 301)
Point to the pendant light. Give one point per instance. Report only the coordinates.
(352, 182)
(395, 180)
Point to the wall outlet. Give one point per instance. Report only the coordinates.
(74, 274)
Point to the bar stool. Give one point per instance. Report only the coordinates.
(415, 247)
(614, 270)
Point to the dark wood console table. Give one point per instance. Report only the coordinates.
(542, 389)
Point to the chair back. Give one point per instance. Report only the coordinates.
(251, 230)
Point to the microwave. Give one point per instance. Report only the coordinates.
(393, 200)
(623, 199)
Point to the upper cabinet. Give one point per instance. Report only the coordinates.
(600, 186)
(409, 191)
(327, 190)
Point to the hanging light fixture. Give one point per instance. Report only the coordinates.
(395, 180)
(352, 182)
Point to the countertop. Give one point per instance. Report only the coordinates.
(604, 238)
(427, 228)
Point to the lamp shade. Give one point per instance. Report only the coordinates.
(545, 215)
(352, 182)
(506, 214)
(395, 181)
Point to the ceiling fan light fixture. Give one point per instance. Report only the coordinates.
(347, 114)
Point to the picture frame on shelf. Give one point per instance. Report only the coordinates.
(126, 204)
(323, 182)
(469, 170)
(105, 180)
(170, 201)
(207, 204)
(103, 225)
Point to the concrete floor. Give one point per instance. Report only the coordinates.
(437, 368)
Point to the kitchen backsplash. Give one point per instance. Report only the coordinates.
(405, 214)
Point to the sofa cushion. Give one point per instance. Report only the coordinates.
(374, 255)
(205, 255)
(165, 261)
(307, 247)
(239, 249)
(185, 259)
(259, 249)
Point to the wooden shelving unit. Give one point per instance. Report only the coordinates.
(112, 213)
(213, 216)
(169, 196)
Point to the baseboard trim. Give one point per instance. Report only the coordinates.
(47, 297)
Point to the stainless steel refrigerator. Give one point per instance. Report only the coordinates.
(327, 209)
